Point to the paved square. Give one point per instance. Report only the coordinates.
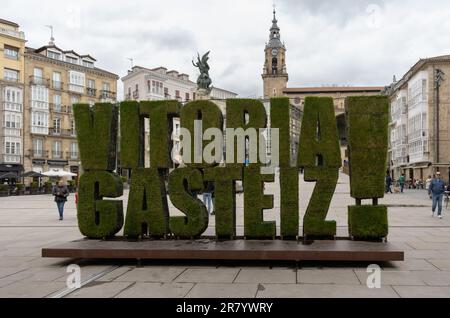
(29, 223)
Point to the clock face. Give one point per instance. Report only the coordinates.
(274, 52)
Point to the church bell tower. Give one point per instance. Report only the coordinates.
(274, 75)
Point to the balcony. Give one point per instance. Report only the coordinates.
(16, 34)
(35, 80)
(56, 154)
(104, 94)
(10, 106)
(73, 155)
(39, 130)
(58, 108)
(91, 92)
(57, 85)
(75, 88)
(12, 159)
(62, 132)
(38, 153)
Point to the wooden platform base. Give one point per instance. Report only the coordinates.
(206, 249)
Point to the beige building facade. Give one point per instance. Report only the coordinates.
(55, 79)
(12, 49)
(420, 121)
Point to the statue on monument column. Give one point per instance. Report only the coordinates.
(204, 81)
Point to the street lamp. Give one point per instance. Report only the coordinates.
(438, 79)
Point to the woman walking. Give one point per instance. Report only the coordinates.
(61, 192)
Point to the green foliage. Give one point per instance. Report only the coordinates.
(314, 224)
(289, 208)
(131, 135)
(236, 110)
(368, 222)
(320, 155)
(225, 198)
(280, 118)
(97, 135)
(211, 117)
(20, 186)
(99, 218)
(147, 211)
(161, 114)
(184, 184)
(255, 202)
(319, 142)
(367, 120)
(4, 187)
(34, 185)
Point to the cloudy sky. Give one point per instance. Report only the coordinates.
(345, 42)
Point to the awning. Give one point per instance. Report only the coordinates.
(32, 174)
(9, 175)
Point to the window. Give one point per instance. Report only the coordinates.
(57, 80)
(166, 92)
(11, 75)
(157, 87)
(11, 52)
(76, 82)
(91, 83)
(57, 150)
(106, 86)
(12, 120)
(57, 125)
(70, 59)
(12, 99)
(37, 72)
(12, 147)
(149, 86)
(187, 97)
(73, 150)
(54, 55)
(177, 94)
(40, 119)
(39, 97)
(57, 102)
(38, 147)
(88, 64)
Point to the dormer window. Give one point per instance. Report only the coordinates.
(54, 55)
(70, 59)
(88, 64)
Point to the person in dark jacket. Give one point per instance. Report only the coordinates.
(60, 192)
(437, 189)
(388, 184)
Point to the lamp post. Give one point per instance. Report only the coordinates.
(438, 79)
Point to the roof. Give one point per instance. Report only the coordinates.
(29, 50)
(333, 89)
(45, 47)
(416, 67)
(13, 24)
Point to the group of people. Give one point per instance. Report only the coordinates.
(434, 185)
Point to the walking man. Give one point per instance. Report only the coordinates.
(401, 181)
(61, 192)
(437, 190)
(388, 184)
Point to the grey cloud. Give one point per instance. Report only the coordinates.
(338, 12)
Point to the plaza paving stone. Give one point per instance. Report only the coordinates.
(29, 223)
(156, 290)
(217, 275)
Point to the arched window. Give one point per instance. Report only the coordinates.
(274, 65)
